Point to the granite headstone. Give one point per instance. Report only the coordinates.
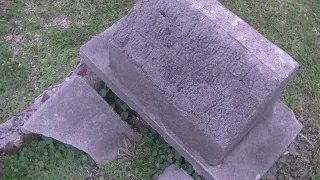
(204, 79)
(201, 81)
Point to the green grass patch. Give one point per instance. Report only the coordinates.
(39, 44)
(150, 157)
(46, 159)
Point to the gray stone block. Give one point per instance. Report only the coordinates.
(78, 116)
(171, 174)
(195, 72)
(201, 86)
(252, 157)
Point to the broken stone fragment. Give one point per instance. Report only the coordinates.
(78, 116)
(11, 137)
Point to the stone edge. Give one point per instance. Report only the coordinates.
(268, 53)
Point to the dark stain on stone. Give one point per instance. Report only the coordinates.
(31, 110)
(45, 97)
(82, 72)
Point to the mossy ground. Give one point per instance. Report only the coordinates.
(39, 44)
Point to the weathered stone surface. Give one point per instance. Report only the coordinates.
(195, 72)
(171, 174)
(11, 137)
(186, 82)
(259, 149)
(78, 116)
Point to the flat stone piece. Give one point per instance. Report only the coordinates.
(78, 116)
(172, 174)
(195, 72)
(249, 160)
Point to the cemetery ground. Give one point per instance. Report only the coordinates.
(39, 45)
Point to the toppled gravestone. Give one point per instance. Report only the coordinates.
(204, 79)
(78, 116)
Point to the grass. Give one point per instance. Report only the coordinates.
(39, 44)
(46, 159)
(49, 159)
(151, 156)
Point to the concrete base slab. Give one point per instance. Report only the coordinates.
(250, 159)
(171, 174)
(78, 116)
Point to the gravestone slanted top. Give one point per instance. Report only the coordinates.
(202, 83)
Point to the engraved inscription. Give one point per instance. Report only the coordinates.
(140, 48)
(199, 67)
(122, 36)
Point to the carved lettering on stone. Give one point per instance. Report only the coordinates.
(199, 68)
